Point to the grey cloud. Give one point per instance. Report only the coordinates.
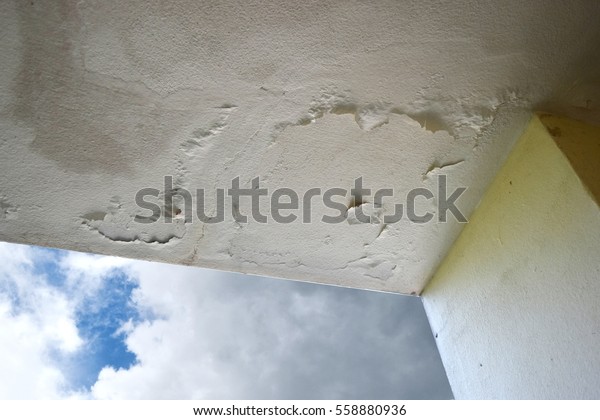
(231, 336)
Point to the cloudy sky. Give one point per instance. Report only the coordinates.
(75, 325)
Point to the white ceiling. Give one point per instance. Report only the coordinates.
(101, 99)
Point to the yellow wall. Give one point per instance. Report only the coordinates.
(514, 305)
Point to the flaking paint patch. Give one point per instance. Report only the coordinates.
(118, 225)
(436, 166)
(434, 112)
(374, 267)
(7, 210)
(198, 143)
(357, 214)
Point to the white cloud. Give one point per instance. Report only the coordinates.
(220, 335)
(207, 334)
(84, 273)
(35, 320)
(38, 317)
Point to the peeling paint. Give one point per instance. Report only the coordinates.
(118, 225)
(375, 214)
(7, 210)
(436, 167)
(434, 113)
(97, 105)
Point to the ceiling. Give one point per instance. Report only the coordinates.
(102, 99)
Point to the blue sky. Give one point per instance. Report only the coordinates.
(99, 327)
(98, 319)
(76, 325)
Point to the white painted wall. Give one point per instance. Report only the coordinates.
(515, 305)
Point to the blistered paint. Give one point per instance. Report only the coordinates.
(102, 99)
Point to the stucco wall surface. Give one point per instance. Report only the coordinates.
(514, 306)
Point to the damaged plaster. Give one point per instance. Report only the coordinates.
(101, 100)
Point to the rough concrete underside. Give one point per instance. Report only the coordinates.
(102, 99)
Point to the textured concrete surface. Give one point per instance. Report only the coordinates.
(101, 99)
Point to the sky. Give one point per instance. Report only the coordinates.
(75, 325)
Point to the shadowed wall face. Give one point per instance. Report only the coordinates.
(580, 143)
